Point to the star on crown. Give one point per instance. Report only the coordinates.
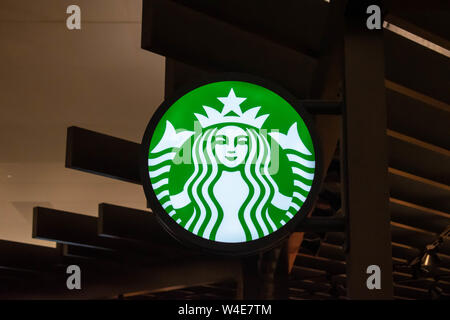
(231, 113)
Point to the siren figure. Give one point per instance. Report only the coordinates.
(231, 195)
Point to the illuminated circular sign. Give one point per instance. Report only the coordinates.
(230, 164)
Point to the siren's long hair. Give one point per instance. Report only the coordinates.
(253, 214)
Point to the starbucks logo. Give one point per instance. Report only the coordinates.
(229, 162)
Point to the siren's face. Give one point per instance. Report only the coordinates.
(231, 146)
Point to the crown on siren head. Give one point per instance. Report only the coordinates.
(231, 113)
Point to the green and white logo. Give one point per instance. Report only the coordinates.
(231, 161)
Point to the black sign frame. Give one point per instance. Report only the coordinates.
(221, 248)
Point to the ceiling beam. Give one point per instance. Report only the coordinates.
(195, 38)
(102, 154)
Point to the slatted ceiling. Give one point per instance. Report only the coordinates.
(399, 261)
(280, 23)
(408, 280)
(444, 274)
(428, 193)
(322, 266)
(214, 289)
(310, 275)
(435, 21)
(221, 290)
(445, 260)
(301, 294)
(408, 235)
(191, 293)
(316, 269)
(404, 279)
(402, 255)
(226, 288)
(401, 276)
(300, 272)
(320, 263)
(403, 251)
(417, 116)
(402, 298)
(429, 161)
(417, 95)
(331, 251)
(416, 67)
(418, 216)
(311, 285)
(316, 285)
(410, 292)
(179, 32)
(418, 126)
(314, 279)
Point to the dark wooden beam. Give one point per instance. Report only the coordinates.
(179, 74)
(420, 109)
(411, 236)
(429, 20)
(300, 273)
(328, 265)
(418, 190)
(310, 286)
(416, 67)
(195, 38)
(140, 227)
(103, 279)
(121, 244)
(364, 157)
(418, 216)
(429, 161)
(413, 25)
(120, 222)
(126, 259)
(286, 19)
(70, 228)
(411, 292)
(102, 154)
(322, 224)
(22, 257)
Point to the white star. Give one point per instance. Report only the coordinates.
(231, 103)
